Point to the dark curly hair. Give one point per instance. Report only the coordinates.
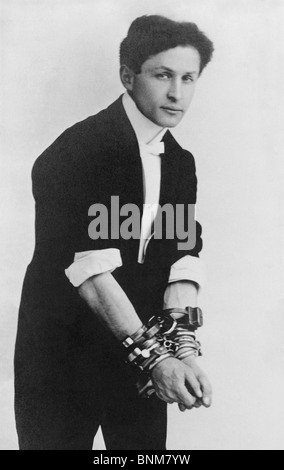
(150, 35)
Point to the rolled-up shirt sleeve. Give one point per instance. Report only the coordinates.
(90, 263)
(188, 268)
(178, 293)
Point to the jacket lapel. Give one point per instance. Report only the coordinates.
(169, 170)
(128, 157)
(128, 171)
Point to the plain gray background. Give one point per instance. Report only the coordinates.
(59, 64)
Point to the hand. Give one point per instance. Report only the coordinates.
(175, 381)
(204, 384)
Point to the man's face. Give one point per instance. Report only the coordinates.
(164, 89)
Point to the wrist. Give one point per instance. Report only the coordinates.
(191, 317)
(162, 365)
(178, 331)
(144, 351)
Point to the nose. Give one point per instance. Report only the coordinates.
(174, 92)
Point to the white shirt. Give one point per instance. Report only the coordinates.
(90, 263)
(148, 134)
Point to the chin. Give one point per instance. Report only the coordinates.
(164, 121)
(169, 122)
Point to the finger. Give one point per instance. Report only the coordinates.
(164, 397)
(193, 384)
(206, 390)
(169, 401)
(184, 397)
(197, 404)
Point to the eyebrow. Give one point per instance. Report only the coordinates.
(172, 71)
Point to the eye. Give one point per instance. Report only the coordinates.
(163, 76)
(188, 78)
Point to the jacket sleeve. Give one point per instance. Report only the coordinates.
(187, 195)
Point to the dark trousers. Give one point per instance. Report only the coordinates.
(71, 424)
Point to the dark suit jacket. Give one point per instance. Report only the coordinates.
(58, 338)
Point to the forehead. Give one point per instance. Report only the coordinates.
(180, 59)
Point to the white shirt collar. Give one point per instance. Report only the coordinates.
(146, 131)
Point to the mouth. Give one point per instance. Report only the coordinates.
(172, 110)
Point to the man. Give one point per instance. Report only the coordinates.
(84, 334)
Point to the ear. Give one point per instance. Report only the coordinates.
(127, 77)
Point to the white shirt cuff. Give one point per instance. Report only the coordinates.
(90, 263)
(188, 268)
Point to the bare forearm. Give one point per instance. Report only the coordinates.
(181, 294)
(110, 304)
